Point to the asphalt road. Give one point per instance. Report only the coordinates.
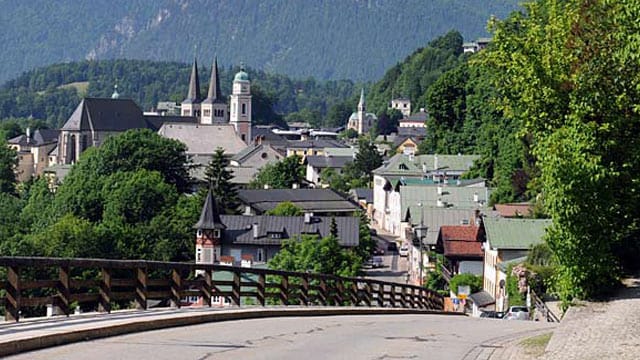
(308, 338)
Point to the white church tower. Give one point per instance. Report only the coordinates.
(240, 103)
(214, 108)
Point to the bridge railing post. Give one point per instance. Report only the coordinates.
(261, 289)
(304, 294)
(323, 295)
(104, 303)
(64, 293)
(205, 288)
(380, 297)
(13, 297)
(176, 287)
(236, 287)
(142, 278)
(284, 289)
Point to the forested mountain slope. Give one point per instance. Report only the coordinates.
(331, 39)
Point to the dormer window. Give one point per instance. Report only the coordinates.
(199, 233)
(216, 233)
(403, 167)
(275, 235)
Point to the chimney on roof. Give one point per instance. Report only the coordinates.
(28, 135)
(294, 186)
(308, 217)
(256, 230)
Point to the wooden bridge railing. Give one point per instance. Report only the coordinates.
(30, 284)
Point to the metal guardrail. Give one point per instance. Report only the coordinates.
(32, 283)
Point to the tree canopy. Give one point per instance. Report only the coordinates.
(568, 73)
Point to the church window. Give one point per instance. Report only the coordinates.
(264, 155)
(244, 109)
(198, 254)
(216, 233)
(243, 137)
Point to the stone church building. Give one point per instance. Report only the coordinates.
(204, 124)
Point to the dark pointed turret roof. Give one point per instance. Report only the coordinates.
(209, 217)
(194, 95)
(214, 95)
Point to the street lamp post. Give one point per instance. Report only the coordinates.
(421, 233)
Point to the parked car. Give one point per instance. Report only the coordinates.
(392, 246)
(378, 251)
(492, 314)
(377, 262)
(517, 313)
(404, 250)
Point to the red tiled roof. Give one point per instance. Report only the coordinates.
(465, 249)
(514, 210)
(461, 241)
(459, 232)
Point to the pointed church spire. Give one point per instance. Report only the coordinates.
(209, 217)
(115, 94)
(362, 104)
(214, 83)
(194, 84)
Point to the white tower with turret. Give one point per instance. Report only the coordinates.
(240, 105)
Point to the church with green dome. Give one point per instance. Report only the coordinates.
(214, 109)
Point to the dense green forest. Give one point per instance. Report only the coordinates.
(331, 39)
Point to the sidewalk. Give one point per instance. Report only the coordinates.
(588, 331)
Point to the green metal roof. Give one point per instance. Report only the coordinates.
(514, 234)
(402, 164)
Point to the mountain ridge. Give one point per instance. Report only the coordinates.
(333, 39)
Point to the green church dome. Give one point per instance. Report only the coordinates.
(241, 76)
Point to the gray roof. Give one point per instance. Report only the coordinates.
(363, 193)
(204, 139)
(40, 137)
(418, 165)
(451, 196)
(209, 217)
(315, 144)
(411, 131)
(101, 114)
(435, 218)
(309, 200)
(155, 122)
(334, 162)
(250, 150)
(419, 116)
(239, 228)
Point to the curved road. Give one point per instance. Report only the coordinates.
(307, 338)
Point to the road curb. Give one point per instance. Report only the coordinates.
(11, 347)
